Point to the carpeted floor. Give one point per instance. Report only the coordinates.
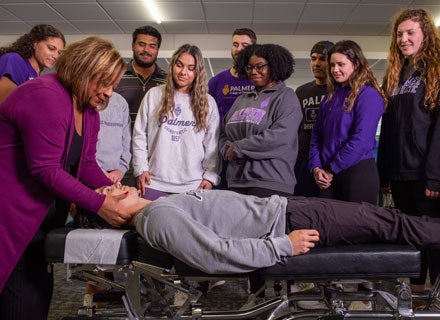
(68, 295)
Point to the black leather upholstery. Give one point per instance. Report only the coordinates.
(350, 261)
(370, 261)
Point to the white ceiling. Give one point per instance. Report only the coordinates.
(341, 17)
(273, 21)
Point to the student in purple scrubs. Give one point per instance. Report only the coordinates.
(24, 59)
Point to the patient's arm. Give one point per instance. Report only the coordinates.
(171, 230)
(303, 240)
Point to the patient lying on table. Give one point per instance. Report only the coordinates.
(220, 231)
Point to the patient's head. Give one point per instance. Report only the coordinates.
(129, 196)
(128, 199)
(118, 189)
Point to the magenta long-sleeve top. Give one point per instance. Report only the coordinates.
(36, 128)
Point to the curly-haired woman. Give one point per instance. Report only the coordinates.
(409, 146)
(25, 58)
(260, 140)
(175, 135)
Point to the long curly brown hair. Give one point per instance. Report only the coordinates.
(198, 91)
(426, 60)
(24, 45)
(361, 76)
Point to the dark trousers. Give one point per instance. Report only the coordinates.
(340, 222)
(409, 196)
(128, 179)
(305, 182)
(223, 185)
(356, 184)
(28, 292)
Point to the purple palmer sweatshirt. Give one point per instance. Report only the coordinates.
(341, 139)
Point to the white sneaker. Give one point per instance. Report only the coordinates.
(213, 284)
(311, 305)
(307, 305)
(361, 306)
(251, 302)
(179, 298)
(301, 287)
(88, 300)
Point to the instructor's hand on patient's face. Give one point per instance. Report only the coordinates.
(303, 240)
(113, 212)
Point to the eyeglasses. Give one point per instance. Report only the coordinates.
(259, 67)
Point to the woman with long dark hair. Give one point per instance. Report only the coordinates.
(25, 58)
(343, 138)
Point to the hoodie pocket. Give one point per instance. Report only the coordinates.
(414, 151)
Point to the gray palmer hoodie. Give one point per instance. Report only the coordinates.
(218, 231)
(263, 131)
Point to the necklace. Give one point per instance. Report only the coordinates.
(143, 83)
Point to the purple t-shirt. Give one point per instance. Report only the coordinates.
(17, 68)
(225, 88)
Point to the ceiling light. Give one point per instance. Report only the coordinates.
(437, 22)
(154, 10)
